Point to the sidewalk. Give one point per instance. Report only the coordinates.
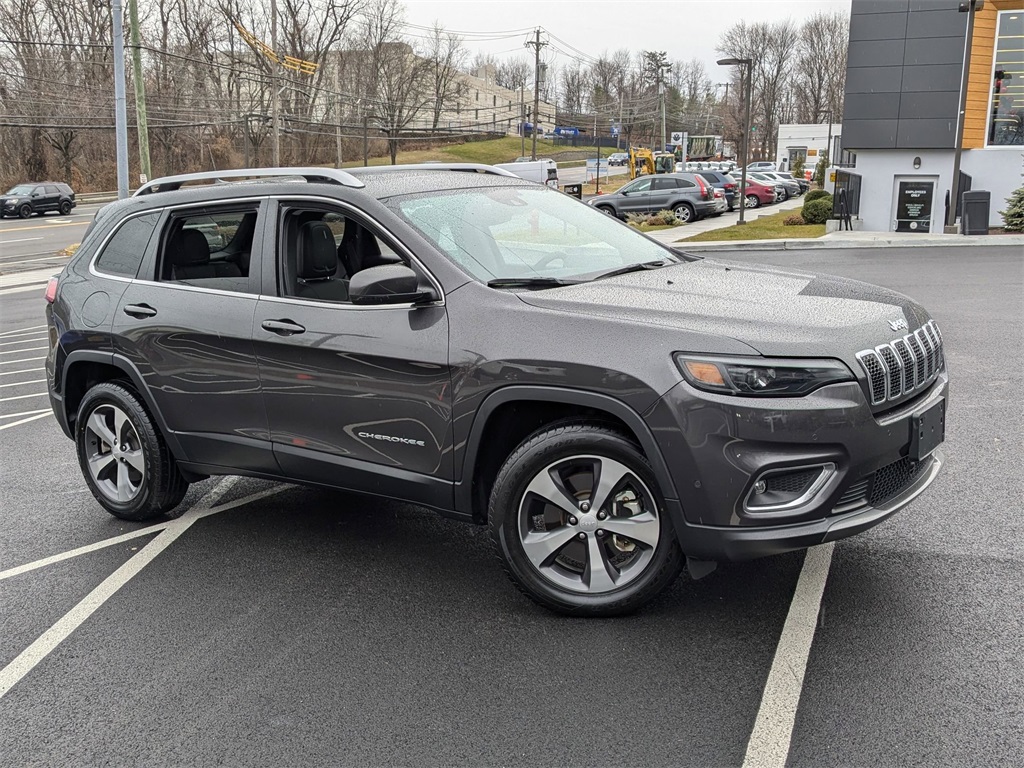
(844, 239)
(30, 280)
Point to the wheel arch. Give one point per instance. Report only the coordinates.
(511, 413)
(84, 369)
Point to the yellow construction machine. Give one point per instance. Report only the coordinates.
(643, 162)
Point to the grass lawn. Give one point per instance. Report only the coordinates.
(504, 150)
(764, 228)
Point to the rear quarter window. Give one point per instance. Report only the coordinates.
(122, 255)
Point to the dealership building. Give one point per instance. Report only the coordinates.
(904, 84)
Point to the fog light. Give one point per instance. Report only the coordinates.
(760, 487)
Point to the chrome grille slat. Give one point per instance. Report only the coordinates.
(903, 365)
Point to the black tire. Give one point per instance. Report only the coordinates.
(65, 207)
(684, 212)
(25, 211)
(607, 209)
(753, 201)
(656, 567)
(161, 487)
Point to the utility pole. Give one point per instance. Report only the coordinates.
(366, 139)
(522, 121)
(337, 101)
(140, 93)
(120, 105)
(618, 134)
(536, 44)
(275, 97)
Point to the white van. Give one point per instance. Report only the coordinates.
(539, 171)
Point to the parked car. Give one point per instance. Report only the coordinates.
(612, 408)
(803, 183)
(721, 206)
(37, 197)
(685, 194)
(758, 193)
(618, 158)
(538, 171)
(723, 181)
(789, 186)
(761, 165)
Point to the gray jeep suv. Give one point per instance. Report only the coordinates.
(495, 350)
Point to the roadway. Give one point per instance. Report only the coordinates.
(33, 243)
(299, 626)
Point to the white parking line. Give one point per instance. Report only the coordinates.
(19, 240)
(23, 413)
(25, 661)
(22, 360)
(42, 415)
(773, 729)
(28, 370)
(20, 351)
(20, 331)
(103, 544)
(20, 397)
(21, 383)
(28, 340)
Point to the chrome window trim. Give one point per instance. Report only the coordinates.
(93, 270)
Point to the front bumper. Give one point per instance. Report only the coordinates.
(716, 447)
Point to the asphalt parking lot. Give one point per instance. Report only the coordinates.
(279, 625)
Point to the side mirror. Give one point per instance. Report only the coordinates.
(387, 284)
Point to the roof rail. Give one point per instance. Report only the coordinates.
(311, 175)
(435, 166)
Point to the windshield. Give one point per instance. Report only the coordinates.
(21, 189)
(519, 232)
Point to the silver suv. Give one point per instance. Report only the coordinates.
(687, 195)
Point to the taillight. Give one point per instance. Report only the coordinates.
(51, 290)
(730, 186)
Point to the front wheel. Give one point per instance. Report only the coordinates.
(607, 209)
(124, 459)
(579, 522)
(753, 201)
(25, 211)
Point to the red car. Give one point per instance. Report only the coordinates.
(757, 194)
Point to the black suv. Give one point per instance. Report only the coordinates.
(493, 349)
(40, 197)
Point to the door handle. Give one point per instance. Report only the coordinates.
(139, 310)
(282, 327)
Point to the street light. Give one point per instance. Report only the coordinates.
(748, 63)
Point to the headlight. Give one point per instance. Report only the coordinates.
(760, 377)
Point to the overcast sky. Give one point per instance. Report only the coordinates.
(683, 28)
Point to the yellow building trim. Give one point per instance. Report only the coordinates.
(979, 85)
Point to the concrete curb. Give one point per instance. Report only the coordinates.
(945, 241)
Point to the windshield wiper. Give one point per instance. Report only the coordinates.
(634, 268)
(531, 282)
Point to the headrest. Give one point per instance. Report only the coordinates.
(190, 249)
(317, 256)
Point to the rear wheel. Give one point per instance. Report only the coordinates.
(753, 201)
(578, 522)
(124, 459)
(684, 212)
(65, 207)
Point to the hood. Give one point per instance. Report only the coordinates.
(778, 313)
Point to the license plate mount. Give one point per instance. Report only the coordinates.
(927, 431)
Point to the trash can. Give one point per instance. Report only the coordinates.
(573, 190)
(975, 212)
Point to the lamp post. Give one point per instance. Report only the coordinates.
(970, 7)
(748, 64)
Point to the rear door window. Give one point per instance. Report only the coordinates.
(123, 253)
(210, 248)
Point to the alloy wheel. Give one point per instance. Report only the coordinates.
(114, 453)
(588, 524)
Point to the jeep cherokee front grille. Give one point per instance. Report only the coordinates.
(904, 365)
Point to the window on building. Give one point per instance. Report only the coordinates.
(494, 101)
(477, 95)
(1006, 124)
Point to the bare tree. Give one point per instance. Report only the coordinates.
(820, 76)
(447, 55)
(513, 73)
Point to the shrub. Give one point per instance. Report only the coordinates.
(665, 217)
(797, 168)
(817, 211)
(815, 194)
(794, 220)
(1013, 216)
